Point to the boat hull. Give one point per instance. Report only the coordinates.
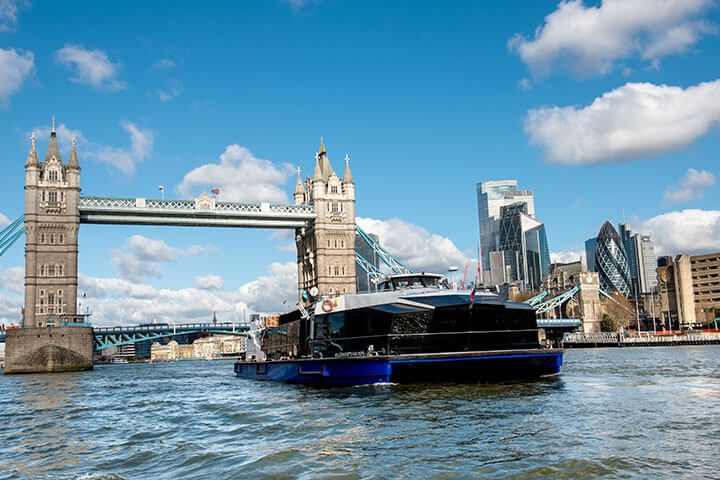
(454, 367)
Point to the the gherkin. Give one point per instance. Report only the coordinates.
(611, 261)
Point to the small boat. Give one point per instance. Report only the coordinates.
(415, 328)
(120, 360)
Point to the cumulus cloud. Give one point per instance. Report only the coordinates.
(174, 88)
(415, 247)
(15, 67)
(4, 220)
(209, 282)
(141, 257)
(632, 121)
(691, 231)
(592, 40)
(10, 308)
(569, 256)
(91, 67)
(691, 186)
(124, 159)
(241, 176)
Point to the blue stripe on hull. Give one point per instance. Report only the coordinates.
(339, 372)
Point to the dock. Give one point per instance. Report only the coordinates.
(596, 340)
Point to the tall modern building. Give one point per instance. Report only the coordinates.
(611, 261)
(642, 261)
(523, 245)
(513, 242)
(590, 247)
(492, 196)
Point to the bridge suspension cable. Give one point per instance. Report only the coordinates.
(10, 234)
(395, 265)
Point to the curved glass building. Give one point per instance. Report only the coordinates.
(611, 261)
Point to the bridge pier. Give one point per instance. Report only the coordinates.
(48, 350)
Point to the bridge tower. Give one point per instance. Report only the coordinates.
(52, 220)
(326, 246)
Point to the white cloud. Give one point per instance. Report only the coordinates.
(10, 308)
(142, 257)
(241, 176)
(635, 120)
(691, 186)
(12, 279)
(209, 282)
(593, 40)
(15, 67)
(689, 231)
(125, 159)
(91, 67)
(173, 89)
(4, 220)
(415, 247)
(164, 64)
(569, 256)
(9, 11)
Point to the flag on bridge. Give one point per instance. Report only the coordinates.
(472, 297)
(161, 188)
(216, 191)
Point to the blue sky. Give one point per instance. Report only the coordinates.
(428, 98)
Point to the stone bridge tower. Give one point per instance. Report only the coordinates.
(326, 247)
(52, 220)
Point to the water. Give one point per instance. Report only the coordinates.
(614, 413)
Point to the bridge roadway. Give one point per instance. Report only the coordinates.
(203, 211)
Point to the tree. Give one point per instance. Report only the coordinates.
(620, 310)
(607, 324)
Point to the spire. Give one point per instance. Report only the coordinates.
(53, 150)
(318, 170)
(298, 185)
(347, 176)
(73, 162)
(32, 158)
(325, 168)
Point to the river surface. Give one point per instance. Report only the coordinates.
(613, 413)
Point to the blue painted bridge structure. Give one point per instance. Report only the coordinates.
(107, 337)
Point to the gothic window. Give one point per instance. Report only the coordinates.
(334, 189)
(336, 243)
(337, 271)
(42, 238)
(43, 196)
(335, 207)
(61, 238)
(52, 239)
(344, 290)
(51, 299)
(53, 176)
(42, 293)
(328, 243)
(62, 196)
(52, 197)
(329, 270)
(343, 269)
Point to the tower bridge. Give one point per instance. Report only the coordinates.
(322, 215)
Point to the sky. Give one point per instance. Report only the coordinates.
(606, 110)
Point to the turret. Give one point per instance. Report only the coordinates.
(32, 164)
(299, 194)
(73, 166)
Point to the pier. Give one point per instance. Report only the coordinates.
(594, 340)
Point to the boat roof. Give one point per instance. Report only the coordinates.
(411, 299)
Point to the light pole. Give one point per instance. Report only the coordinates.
(451, 270)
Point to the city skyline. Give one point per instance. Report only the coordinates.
(227, 103)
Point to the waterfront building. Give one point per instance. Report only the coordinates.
(522, 244)
(689, 289)
(491, 197)
(611, 262)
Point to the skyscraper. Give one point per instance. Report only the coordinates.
(641, 260)
(590, 247)
(523, 245)
(611, 261)
(492, 197)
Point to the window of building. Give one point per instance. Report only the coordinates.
(52, 197)
(329, 270)
(42, 293)
(334, 189)
(42, 238)
(51, 299)
(52, 239)
(53, 176)
(61, 238)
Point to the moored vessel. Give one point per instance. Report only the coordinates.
(414, 328)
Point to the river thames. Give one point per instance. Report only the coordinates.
(613, 413)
